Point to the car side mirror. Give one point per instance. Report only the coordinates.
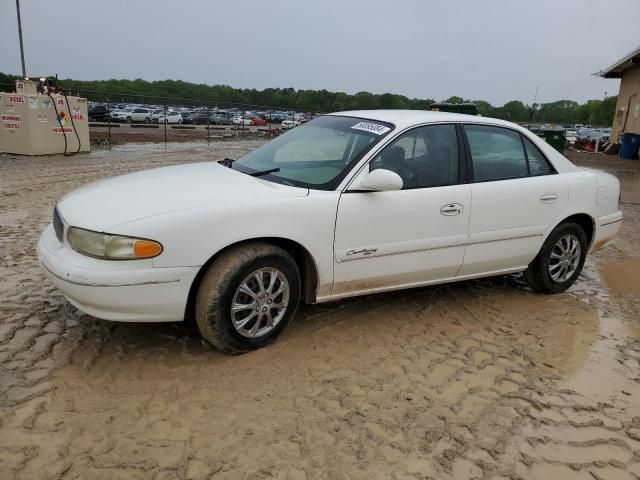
(381, 180)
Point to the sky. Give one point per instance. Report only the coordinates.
(494, 50)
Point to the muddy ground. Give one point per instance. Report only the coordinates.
(482, 379)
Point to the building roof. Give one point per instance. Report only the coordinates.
(617, 69)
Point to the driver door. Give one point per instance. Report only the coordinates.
(416, 235)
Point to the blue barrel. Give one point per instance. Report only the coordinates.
(629, 144)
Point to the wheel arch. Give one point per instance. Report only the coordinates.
(586, 221)
(305, 261)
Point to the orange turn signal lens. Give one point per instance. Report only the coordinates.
(146, 249)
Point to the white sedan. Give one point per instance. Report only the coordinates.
(170, 117)
(349, 204)
(242, 121)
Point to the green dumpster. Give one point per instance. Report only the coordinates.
(555, 138)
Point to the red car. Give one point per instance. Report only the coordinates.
(258, 121)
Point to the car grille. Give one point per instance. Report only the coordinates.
(58, 226)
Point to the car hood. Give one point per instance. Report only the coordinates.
(107, 203)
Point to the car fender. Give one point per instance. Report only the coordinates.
(191, 237)
(582, 187)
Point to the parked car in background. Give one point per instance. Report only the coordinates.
(589, 134)
(187, 117)
(571, 136)
(121, 115)
(432, 198)
(258, 121)
(219, 119)
(139, 115)
(242, 121)
(155, 114)
(171, 117)
(98, 113)
(200, 118)
(291, 122)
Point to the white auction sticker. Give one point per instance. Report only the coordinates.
(371, 127)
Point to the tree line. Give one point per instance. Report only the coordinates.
(594, 112)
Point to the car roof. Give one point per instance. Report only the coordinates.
(405, 118)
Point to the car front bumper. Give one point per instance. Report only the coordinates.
(125, 291)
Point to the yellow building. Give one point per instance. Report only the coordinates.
(627, 116)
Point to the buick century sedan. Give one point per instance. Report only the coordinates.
(348, 204)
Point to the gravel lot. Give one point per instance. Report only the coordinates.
(482, 379)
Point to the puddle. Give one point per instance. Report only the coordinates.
(622, 278)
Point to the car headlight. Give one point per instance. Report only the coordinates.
(111, 247)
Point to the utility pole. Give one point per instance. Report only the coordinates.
(533, 107)
(24, 70)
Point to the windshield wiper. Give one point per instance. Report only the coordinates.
(264, 172)
(226, 162)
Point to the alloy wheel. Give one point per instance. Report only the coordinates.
(260, 302)
(565, 258)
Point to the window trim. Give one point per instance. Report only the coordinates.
(471, 173)
(544, 157)
(462, 171)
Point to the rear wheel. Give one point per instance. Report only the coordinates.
(560, 260)
(247, 297)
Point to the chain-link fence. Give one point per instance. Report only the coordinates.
(130, 117)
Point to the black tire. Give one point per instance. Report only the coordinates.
(128, 119)
(218, 287)
(147, 120)
(537, 274)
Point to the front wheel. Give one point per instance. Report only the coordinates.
(560, 260)
(247, 297)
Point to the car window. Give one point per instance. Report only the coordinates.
(423, 157)
(538, 164)
(496, 153)
(317, 155)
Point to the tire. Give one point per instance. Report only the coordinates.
(539, 273)
(179, 122)
(147, 120)
(128, 119)
(220, 287)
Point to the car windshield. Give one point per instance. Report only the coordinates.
(316, 155)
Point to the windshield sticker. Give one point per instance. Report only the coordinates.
(371, 127)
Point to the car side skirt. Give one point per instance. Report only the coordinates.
(390, 288)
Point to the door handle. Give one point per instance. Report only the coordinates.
(549, 197)
(451, 209)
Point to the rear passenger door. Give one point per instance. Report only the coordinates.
(515, 195)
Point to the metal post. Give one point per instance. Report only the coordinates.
(108, 121)
(270, 118)
(208, 125)
(24, 69)
(165, 125)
